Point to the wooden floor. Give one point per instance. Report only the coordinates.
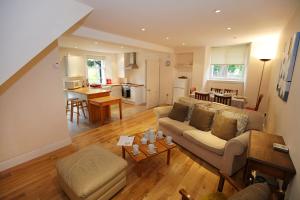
(37, 179)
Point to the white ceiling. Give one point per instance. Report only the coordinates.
(79, 43)
(193, 22)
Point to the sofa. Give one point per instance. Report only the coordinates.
(227, 156)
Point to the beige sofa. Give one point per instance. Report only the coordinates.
(228, 156)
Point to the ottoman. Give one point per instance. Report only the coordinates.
(92, 173)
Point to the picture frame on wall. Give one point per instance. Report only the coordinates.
(287, 66)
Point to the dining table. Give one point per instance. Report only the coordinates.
(238, 101)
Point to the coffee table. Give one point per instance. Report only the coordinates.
(161, 147)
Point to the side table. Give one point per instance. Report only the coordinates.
(263, 158)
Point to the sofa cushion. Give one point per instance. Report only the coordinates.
(179, 112)
(174, 126)
(242, 119)
(206, 140)
(201, 119)
(191, 103)
(90, 169)
(224, 127)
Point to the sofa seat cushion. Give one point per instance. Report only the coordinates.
(90, 169)
(206, 140)
(175, 126)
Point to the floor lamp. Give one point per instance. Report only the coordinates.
(262, 74)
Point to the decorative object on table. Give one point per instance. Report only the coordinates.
(125, 140)
(169, 140)
(152, 137)
(287, 66)
(144, 140)
(135, 149)
(160, 134)
(151, 148)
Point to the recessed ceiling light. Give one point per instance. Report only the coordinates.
(76, 47)
(143, 29)
(183, 44)
(228, 28)
(234, 37)
(167, 38)
(95, 42)
(122, 47)
(217, 11)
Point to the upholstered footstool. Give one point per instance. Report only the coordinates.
(92, 173)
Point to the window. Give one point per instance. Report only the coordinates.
(96, 72)
(227, 72)
(228, 63)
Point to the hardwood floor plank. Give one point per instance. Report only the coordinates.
(37, 178)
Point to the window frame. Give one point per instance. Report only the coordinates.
(102, 75)
(226, 77)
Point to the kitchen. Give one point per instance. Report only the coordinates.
(88, 72)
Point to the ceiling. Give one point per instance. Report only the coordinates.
(79, 43)
(192, 22)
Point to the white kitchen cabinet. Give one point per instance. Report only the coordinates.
(137, 95)
(74, 66)
(116, 91)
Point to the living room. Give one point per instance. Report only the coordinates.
(198, 45)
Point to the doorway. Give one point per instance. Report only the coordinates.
(152, 82)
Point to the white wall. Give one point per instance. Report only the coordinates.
(78, 58)
(28, 28)
(33, 118)
(283, 117)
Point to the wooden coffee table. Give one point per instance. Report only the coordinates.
(161, 147)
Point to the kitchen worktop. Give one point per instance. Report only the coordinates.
(120, 84)
(88, 90)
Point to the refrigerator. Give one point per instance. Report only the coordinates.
(180, 88)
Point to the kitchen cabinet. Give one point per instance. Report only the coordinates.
(184, 60)
(74, 66)
(116, 91)
(137, 94)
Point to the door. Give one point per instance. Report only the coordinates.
(152, 83)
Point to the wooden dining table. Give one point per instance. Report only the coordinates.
(237, 101)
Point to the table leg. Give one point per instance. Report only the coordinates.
(168, 156)
(101, 115)
(123, 152)
(120, 108)
(71, 112)
(247, 174)
(221, 183)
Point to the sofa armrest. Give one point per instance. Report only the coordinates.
(238, 144)
(235, 148)
(162, 111)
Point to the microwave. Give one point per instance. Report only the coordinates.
(73, 84)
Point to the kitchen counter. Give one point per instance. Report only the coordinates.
(88, 90)
(88, 93)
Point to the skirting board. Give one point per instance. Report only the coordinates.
(33, 154)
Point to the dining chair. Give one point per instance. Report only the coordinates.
(257, 103)
(230, 91)
(202, 96)
(223, 99)
(216, 90)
